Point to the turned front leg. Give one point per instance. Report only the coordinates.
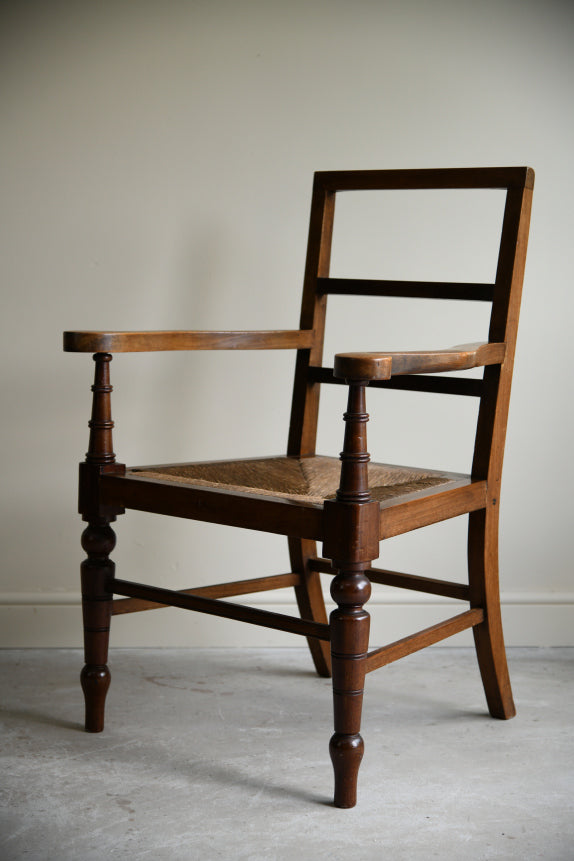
(98, 540)
(352, 542)
(349, 642)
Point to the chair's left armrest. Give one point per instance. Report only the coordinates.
(383, 366)
(138, 342)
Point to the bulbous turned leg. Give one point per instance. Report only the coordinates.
(349, 644)
(98, 540)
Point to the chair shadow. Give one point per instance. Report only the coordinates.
(225, 775)
(41, 718)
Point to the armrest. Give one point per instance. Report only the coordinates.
(383, 366)
(138, 342)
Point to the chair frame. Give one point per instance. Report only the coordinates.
(351, 525)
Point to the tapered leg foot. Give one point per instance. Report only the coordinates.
(494, 672)
(95, 683)
(346, 755)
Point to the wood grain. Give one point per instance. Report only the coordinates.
(431, 506)
(415, 642)
(383, 366)
(214, 505)
(140, 342)
(252, 615)
(216, 590)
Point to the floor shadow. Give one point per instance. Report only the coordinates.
(227, 775)
(40, 718)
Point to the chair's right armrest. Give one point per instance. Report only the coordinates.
(383, 366)
(138, 342)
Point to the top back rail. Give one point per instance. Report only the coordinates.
(432, 178)
(504, 294)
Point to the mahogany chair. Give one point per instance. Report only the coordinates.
(351, 506)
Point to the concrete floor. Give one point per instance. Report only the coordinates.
(220, 754)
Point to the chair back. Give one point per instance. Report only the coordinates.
(504, 295)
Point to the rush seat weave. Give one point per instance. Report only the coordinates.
(302, 479)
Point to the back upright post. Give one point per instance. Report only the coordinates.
(305, 407)
(489, 451)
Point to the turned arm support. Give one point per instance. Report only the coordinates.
(137, 342)
(383, 366)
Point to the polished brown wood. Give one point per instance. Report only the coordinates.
(210, 504)
(383, 366)
(425, 507)
(415, 642)
(192, 601)
(138, 342)
(98, 541)
(310, 601)
(100, 448)
(305, 404)
(489, 454)
(351, 541)
(354, 486)
(217, 590)
(97, 571)
(351, 525)
(432, 586)
(302, 437)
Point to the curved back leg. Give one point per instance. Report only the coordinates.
(484, 592)
(310, 600)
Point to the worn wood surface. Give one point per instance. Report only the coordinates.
(139, 342)
(383, 366)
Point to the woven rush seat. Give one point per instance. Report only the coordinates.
(302, 479)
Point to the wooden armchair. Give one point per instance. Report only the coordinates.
(348, 505)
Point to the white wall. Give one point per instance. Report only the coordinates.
(157, 161)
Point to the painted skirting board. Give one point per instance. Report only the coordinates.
(53, 620)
